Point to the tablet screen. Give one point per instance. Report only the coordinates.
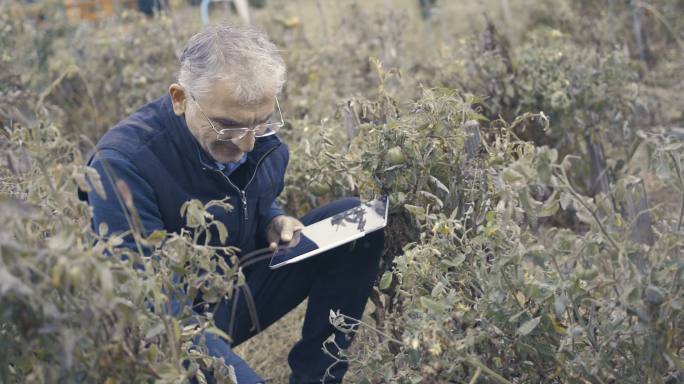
(334, 231)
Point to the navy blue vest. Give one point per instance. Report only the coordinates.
(171, 160)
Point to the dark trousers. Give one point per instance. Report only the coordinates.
(339, 279)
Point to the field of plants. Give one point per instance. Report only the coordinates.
(533, 152)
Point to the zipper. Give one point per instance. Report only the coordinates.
(249, 299)
(244, 203)
(242, 192)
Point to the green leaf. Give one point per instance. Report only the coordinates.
(550, 206)
(106, 280)
(679, 363)
(115, 241)
(528, 326)
(457, 260)
(154, 331)
(94, 178)
(490, 230)
(81, 181)
(510, 176)
(103, 229)
(565, 200)
(654, 295)
(671, 146)
(156, 238)
(560, 302)
(385, 280)
(24, 364)
(433, 305)
(438, 289)
(418, 212)
(432, 197)
(10, 284)
(218, 332)
(515, 317)
(439, 185)
(584, 215)
(176, 329)
(199, 375)
(223, 232)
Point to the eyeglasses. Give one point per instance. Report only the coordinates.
(267, 128)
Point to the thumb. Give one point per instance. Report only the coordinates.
(290, 227)
(286, 234)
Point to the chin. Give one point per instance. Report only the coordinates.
(223, 156)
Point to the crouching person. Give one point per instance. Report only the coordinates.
(214, 135)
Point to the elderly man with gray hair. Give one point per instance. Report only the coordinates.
(214, 135)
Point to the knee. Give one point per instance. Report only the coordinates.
(341, 205)
(364, 253)
(373, 244)
(330, 209)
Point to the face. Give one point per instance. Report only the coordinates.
(225, 111)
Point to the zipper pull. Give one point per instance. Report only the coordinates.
(244, 204)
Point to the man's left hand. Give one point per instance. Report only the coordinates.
(284, 229)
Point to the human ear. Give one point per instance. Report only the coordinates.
(178, 98)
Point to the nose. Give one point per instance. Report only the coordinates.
(246, 143)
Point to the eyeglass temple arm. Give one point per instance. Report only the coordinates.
(282, 121)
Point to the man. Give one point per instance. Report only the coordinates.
(214, 136)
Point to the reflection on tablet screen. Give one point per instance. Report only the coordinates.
(355, 215)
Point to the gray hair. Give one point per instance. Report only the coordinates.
(242, 54)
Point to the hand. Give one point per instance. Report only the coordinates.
(283, 228)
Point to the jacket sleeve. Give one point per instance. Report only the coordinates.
(113, 166)
(274, 211)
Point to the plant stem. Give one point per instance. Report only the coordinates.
(321, 11)
(675, 161)
(658, 15)
(171, 335)
(476, 376)
(593, 214)
(493, 375)
(390, 338)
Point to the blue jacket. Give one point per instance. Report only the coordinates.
(155, 154)
(162, 163)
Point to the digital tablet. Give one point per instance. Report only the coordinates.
(334, 231)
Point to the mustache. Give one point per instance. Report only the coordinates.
(224, 144)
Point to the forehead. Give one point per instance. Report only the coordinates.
(222, 101)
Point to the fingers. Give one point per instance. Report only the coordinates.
(288, 232)
(290, 228)
(296, 234)
(272, 238)
(286, 235)
(295, 239)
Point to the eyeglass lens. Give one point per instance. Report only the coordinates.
(238, 133)
(226, 134)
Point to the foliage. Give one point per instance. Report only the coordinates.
(75, 307)
(476, 278)
(92, 77)
(504, 261)
(322, 75)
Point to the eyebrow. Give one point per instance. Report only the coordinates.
(234, 124)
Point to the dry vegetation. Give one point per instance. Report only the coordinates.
(534, 163)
